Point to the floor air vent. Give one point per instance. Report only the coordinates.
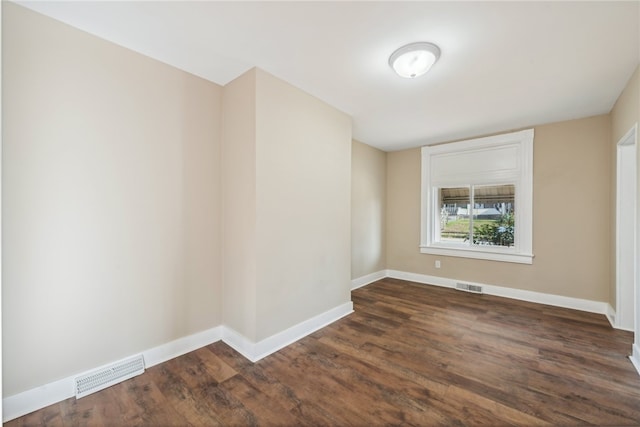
(109, 375)
(476, 289)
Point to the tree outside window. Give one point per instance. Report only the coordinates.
(491, 221)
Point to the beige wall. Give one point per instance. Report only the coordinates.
(118, 213)
(368, 206)
(303, 172)
(286, 207)
(110, 201)
(570, 218)
(625, 114)
(239, 205)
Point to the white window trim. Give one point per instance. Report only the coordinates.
(522, 176)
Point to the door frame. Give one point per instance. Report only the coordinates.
(626, 172)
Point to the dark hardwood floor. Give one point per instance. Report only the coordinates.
(410, 355)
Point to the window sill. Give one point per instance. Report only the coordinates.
(496, 255)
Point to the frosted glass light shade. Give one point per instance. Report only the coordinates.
(414, 59)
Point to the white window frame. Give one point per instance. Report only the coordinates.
(464, 163)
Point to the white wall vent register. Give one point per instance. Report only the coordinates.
(109, 375)
(476, 289)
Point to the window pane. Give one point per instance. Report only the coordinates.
(493, 220)
(454, 214)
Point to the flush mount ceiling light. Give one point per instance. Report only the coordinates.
(414, 59)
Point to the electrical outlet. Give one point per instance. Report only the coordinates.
(437, 263)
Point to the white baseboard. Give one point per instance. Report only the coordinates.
(613, 319)
(31, 400)
(181, 346)
(37, 398)
(367, 279)
(611, 316)
(635, 356)
(256, 351)
(519, 294)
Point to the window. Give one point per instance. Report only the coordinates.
(477, 198)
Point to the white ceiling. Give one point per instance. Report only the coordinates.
(504, 65)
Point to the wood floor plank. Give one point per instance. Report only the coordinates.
(271, 411)
(404, 399)
(410, 354)
(183, 396)
(327, 391)
(91, 410)
(228, 409)
(150, 406)
(465, 401)
(215, 366)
